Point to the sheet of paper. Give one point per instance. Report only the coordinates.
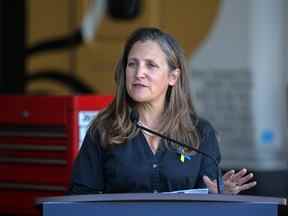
(190, 191)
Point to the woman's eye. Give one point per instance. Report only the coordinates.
(151, 65)
(131, 64)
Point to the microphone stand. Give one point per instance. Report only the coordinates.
(219, 174)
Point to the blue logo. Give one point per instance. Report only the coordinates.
(267, 137)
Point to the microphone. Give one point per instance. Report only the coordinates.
(134, 116)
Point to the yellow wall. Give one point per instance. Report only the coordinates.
(188, 20)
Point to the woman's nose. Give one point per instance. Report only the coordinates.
(140, 72)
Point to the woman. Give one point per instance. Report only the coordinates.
(116, 157)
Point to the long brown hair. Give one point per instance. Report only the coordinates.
(178, 119)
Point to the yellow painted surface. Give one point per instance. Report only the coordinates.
(47, 20)
(188, 20)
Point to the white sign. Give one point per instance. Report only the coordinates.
(84, 120)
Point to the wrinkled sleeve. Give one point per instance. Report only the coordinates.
(87, 173)
(209, 145)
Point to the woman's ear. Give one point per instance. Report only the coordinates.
(173, 76)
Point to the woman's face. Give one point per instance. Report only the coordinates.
(147, 73)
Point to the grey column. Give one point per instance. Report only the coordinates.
(269, 90)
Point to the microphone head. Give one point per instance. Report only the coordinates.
(134, 116)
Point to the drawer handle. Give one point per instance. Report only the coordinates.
(27, 147)
(33, 161)
(24, 186)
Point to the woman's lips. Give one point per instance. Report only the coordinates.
(139, 85)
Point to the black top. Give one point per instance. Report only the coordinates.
(132, 167)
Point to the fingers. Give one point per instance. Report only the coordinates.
(237, 189)
(245, 179)
(237, 182)
(228, 175)
(247, 186)
(239, 175)
(234, 183)
(232, 176)
(211, 185)
(208, 181)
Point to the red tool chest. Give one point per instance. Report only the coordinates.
(39, 138)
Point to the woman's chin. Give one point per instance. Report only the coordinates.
(140, 98)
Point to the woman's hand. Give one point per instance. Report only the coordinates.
(233, 182)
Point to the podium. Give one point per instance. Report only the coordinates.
(150, 204)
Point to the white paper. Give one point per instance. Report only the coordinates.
(190, 191)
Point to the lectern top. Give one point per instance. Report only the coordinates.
(163, 197)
